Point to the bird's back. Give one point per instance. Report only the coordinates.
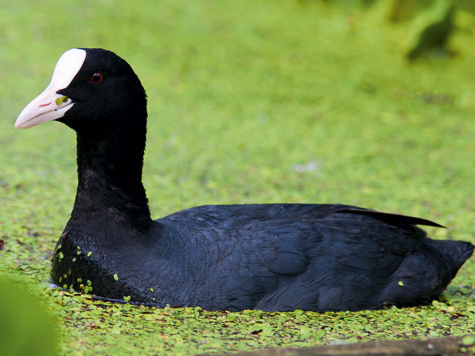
(313, 257)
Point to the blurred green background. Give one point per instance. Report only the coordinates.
(309, 101)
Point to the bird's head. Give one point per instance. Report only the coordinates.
(90, 89)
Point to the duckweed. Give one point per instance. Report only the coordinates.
(241, 97)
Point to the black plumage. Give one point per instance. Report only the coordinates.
(226, 257)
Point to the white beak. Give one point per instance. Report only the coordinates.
(49, 105)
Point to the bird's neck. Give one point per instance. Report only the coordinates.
(110, 178)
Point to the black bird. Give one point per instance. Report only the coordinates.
(273, 257)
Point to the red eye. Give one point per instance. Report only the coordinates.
(96, 78)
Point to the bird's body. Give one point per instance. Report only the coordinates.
(223, 257)
(269, 257)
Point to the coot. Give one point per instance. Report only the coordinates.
(273, 257)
